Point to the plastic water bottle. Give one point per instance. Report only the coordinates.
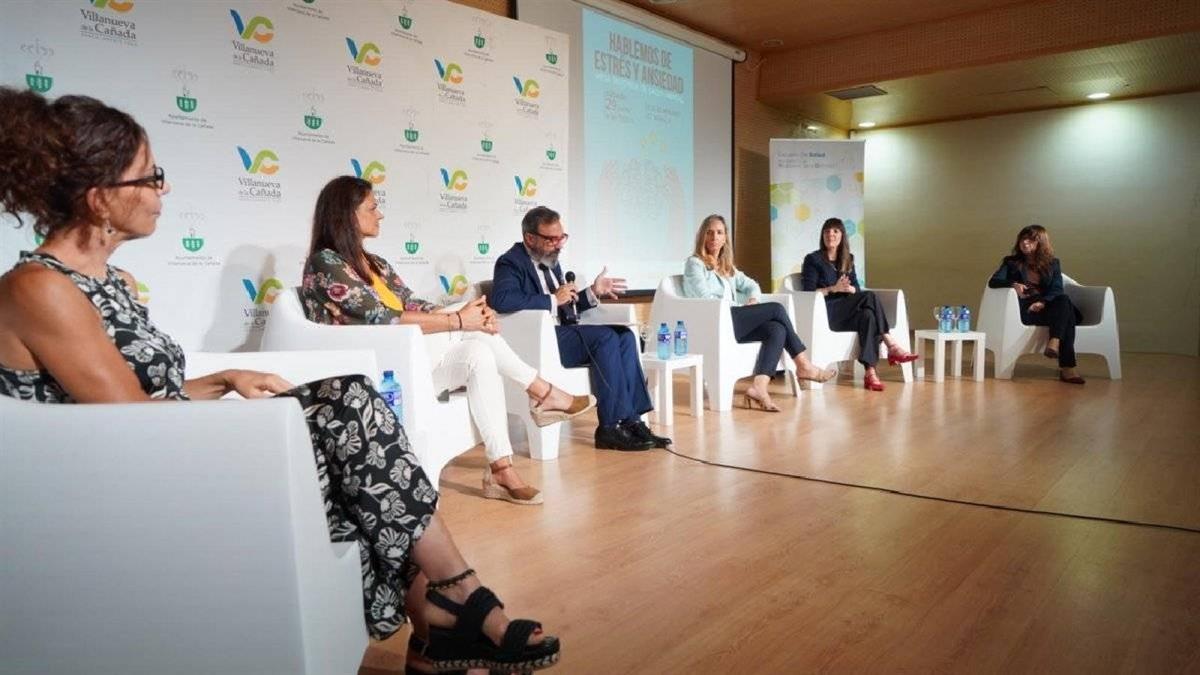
(389, 389)
(964, 319)
(946, 323)
(664, 341)
(680, 339)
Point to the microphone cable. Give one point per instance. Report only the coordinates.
(935, 498)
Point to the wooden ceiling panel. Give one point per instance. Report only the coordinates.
(947, 59)
(747, 23)
(1142, 68)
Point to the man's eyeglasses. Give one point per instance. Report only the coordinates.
(158, 179)
(552, 240)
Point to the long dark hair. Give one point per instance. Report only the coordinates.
(843, 259)
(52, 153)
(334, 226)
(1042, 255)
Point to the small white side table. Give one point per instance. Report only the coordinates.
(661, 391)
(939, 353)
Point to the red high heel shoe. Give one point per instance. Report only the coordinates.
(898, 356)
(873, 383)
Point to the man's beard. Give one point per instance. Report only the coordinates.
(549, 259)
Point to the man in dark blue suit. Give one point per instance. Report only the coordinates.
(528, 276)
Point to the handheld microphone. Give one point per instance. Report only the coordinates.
(572, 314)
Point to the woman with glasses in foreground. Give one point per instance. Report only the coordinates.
(71, 331)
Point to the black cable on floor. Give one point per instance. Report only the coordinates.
(948, 500)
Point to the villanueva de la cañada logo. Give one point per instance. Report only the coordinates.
(482, 246)
(552, 162)
(185, 101)
(38, 54)
(450, 79)
(405, 26)
(109, 20)
(481, 41)
(374, 173)
(526, 101)
(411, 134)
(412, 245)
(487, 145)
(253, 34)
(526, 189)
(363, 70)
(184, 112)
(194, 224)
(551, 67)
(455, 284)
(312, 119)
(261, 295)
(453, 196)
(255, 183)
(308, 8)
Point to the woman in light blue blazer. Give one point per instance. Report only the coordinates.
(709, 273)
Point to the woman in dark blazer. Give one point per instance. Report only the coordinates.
(1036, 275)
(830, 271)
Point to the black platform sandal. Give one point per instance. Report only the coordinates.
(465, 646)
(417, 645)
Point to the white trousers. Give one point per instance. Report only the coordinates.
(478, 362)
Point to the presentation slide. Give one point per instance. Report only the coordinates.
(638, 159)
(650, 147)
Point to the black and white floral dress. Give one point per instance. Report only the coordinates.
(374, 488)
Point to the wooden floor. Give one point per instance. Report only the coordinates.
(650, 563)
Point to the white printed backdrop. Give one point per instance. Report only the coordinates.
(458, 116)
(812, 181)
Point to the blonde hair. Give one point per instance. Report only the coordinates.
(722, 262)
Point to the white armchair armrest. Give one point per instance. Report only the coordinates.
(200, 518)
(622, 315)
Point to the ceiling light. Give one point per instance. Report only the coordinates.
(812, 127)
(771, 43)
(1096, 96)
(866, 125)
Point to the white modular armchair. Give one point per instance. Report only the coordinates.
(1008, 339)
(826, 346)
(439, 430)
(710, 332)
(531, 335)
(184, 538)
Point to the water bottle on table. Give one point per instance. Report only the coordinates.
(664, 341)
(389, 389)
(946, 321)
(681, 346)
(964, 319)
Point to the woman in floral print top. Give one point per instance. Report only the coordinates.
(344, 284)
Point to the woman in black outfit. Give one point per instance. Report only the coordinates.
(1036, 275)
(830, 271)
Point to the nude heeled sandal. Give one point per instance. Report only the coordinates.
(543, 417)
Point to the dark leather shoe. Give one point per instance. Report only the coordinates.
(617, 438)
(640, 431)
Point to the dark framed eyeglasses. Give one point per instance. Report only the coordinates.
(553, 240)
(158, 179)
